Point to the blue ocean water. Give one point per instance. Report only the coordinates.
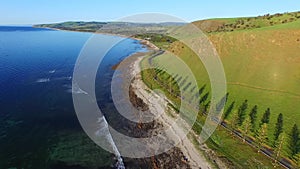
(36, 67)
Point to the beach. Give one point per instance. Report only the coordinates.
(184, 154)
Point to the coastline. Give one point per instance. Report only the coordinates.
(201, 155)
(195, 160)
(91, 32)
(148, 44)
(186, 148)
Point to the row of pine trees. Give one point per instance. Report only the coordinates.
(247, 123)
(242, 120)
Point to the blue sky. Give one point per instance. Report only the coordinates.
(18, 12)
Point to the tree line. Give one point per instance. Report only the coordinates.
(245, 119)
(247, 123)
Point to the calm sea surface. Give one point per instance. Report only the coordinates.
(38, 125)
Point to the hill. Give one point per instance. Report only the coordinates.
(121, 28)
(261, 63)
(246, 23)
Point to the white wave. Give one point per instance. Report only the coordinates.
(52, 71)
(77, 90)
(43, 80)
(63, 78)
(104, 131)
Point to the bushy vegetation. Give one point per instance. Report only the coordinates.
(162, 41)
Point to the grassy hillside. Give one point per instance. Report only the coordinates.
(234, 24)
(261, 63)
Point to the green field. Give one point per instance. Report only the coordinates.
(262, 65)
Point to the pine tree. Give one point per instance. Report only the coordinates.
(278, 127)
(262, 136)
(253, 117)
(234, 123)
(266, 117)
(204, 98)
(294, 141)
(201, 90)
(242, 112)
(206, 106)
(229, 110)
(279, 148)
(170, 81)
(222, 102)
(246, 128)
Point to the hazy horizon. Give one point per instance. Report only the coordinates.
(29, 24)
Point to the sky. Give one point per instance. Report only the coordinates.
(27, 12)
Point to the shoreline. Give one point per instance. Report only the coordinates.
(150, 46)
(190, 154)
(195, 159)
(102, 33)
(201, 156)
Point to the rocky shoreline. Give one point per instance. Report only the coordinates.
(183, 155)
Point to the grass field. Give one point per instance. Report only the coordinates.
(261, 65)
(222, 141)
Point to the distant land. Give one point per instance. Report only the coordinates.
(208, 25)
(121, 28)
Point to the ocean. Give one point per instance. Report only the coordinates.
(38, 124)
